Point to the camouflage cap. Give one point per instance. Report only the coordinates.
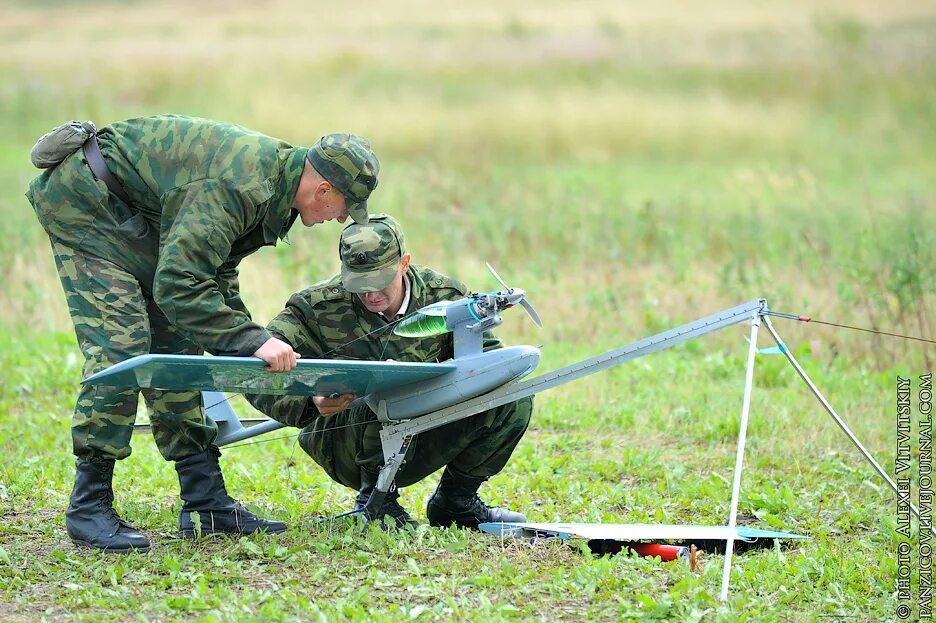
(347, 163)
(371, 254)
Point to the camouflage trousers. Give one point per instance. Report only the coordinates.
(347, 445)
(114, 315)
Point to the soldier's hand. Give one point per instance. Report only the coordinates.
(330, 405)
(279, 355)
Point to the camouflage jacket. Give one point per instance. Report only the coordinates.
(217, 192)
(326, 321)
(211, 193)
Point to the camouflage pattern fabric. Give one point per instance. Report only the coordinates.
(347, 162)
(371, 254)
(160, 275)
(347, 445)
(115, 321)
(205, 195)
(327, 321)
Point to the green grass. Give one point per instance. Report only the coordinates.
(623, 447)
(632, 168)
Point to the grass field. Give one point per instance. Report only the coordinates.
(632, 167)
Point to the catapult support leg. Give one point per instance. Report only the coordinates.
(739, 459)
(394, 447)
(838, 420)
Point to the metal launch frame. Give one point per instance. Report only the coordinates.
(395, 435)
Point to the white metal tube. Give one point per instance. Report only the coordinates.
(739, 459)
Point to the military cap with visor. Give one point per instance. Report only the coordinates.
(347, 162)
(371, 254)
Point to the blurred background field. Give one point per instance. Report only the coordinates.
(632, 166)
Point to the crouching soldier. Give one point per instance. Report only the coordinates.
(352, 316)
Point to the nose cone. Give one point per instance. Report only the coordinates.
(515, 295)
(525, 360)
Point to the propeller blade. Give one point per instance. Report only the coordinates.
(496, 276)
(529, 308)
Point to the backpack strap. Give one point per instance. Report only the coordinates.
(92, 152)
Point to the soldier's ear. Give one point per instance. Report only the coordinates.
(404, 262)
(322, 188)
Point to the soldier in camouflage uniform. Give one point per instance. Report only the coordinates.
(157, 273)
(351, 316)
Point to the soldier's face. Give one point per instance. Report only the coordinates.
(327, 205)
(378, 302)
(318, 201)
(388, 300)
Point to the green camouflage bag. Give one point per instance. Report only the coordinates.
(61, 142)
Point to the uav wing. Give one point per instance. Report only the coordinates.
(246, 375)
(629, 532)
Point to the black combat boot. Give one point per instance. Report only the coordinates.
(202, 491)
(456, 501)
(91, 520)
(391, 507)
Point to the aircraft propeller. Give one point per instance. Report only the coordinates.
(483, 308)
(517, 296)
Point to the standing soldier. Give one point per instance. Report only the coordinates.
(148, 221)
(352, 317)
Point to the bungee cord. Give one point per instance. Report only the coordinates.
(805, 319)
